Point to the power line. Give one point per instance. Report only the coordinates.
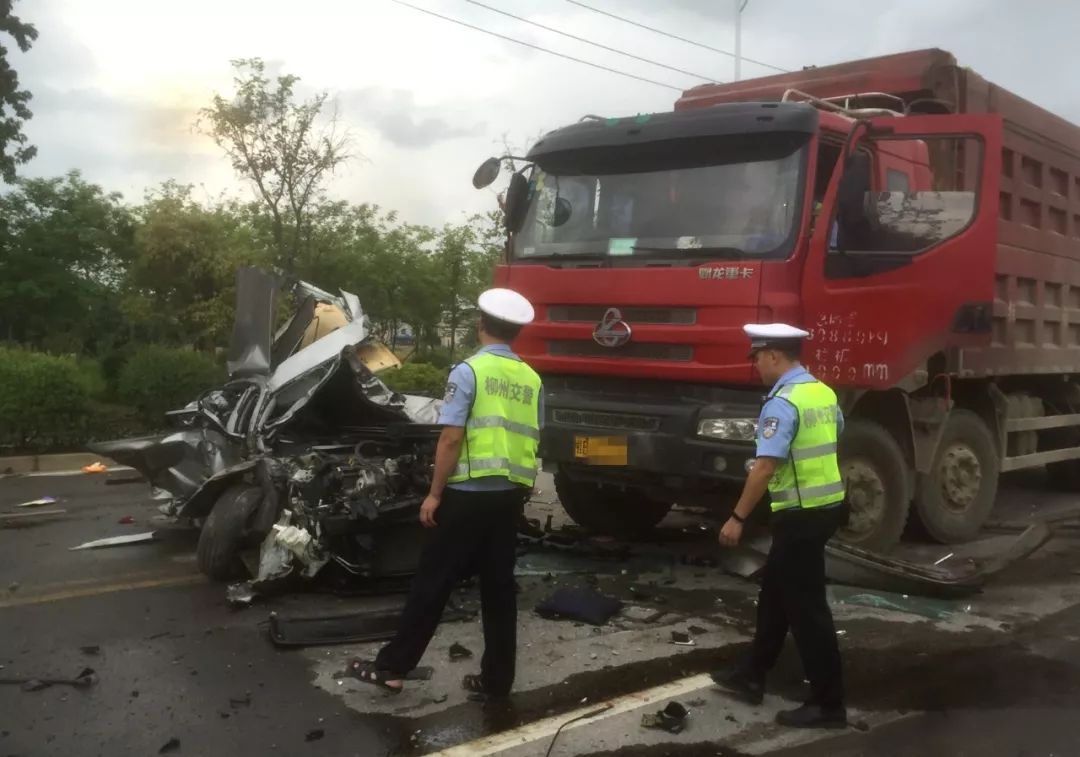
(594, 44)
(537, 47)
(675, 36)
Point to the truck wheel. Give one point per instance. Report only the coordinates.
(876, 478)
(218, 552)
(606, 510)
(956, 497)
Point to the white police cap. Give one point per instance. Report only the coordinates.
(506, 305)
(763, 335)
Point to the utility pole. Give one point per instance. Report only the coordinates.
(740, 6)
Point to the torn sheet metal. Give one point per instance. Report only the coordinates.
(249, 350)
(319, 352)
(118, 541)
(38, 502)
(858, 567)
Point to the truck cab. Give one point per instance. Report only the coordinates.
(647, 242)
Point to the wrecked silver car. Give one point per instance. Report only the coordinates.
(304, 450)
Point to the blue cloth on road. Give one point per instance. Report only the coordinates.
(457, 404)
(780, 418)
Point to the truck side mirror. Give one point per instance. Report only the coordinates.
(487, 173)
(517, 202)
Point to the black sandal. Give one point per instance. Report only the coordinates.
(365, 670)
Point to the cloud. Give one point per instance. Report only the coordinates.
(397, 117)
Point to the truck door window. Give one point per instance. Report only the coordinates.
(901, 198)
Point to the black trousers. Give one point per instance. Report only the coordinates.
(792, 597)
(476, 534)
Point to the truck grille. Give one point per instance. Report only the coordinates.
(618, 421)
(632, 315)
(682, 353)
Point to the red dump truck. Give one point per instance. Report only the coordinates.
(922, 223)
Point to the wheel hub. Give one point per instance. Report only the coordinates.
(866, 495)
(961, 477)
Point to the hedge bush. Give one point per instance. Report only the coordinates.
(158, 379)
(417, 378)
(42, 398)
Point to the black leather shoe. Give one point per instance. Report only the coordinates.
(813, 716)
(741, 685)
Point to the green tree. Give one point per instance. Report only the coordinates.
(284, 147)
(64, 244)
(179, 288)
(14, 110)
(466, 257)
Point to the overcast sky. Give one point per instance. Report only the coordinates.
(117, 83)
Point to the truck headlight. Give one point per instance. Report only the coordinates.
(730, 429)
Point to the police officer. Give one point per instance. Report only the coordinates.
(485, 467)
(796, 462)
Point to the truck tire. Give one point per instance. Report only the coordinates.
(955, 498)
(609, 511)
(876, 476)
(222, 535)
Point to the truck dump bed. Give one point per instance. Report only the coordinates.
(1036, 323)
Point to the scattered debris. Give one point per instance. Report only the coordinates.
(244, 701)
(171, 745)
(579, 604)
(642, 614)
(671, 719)
(127, 520)
(697, 630)
(681, 639)
(934, 609)
(314, 734)
(92, 651)
(118, 541)
(354, 628)
(86, 678)
(458, 652)
(943, 559)
(439, 698)
(240, 594)
(100, 467)
(39, 501)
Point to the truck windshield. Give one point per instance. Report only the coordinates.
(725, 199)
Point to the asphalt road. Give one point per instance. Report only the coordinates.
(999, 675)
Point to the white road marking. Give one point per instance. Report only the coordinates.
(547, 727)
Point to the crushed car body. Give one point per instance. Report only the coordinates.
(304, 450)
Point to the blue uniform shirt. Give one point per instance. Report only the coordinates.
(780, 419)
(457, 404)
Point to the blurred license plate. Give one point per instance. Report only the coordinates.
(601, 450)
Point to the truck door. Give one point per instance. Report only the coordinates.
(901, 264)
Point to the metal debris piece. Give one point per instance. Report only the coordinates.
(86, 678)
(240, 594)
(459, 652)
(38, 502)
(671, 719)
(697, 630)
(118, 541)
(314, 735)
(351, 628)
(127, 520)
(171, 745)
(679, 638)
(943, 559)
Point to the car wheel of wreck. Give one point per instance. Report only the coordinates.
(223, 532)
(608, 510)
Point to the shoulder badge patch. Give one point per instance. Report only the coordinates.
(769, 427)
(451, 390)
